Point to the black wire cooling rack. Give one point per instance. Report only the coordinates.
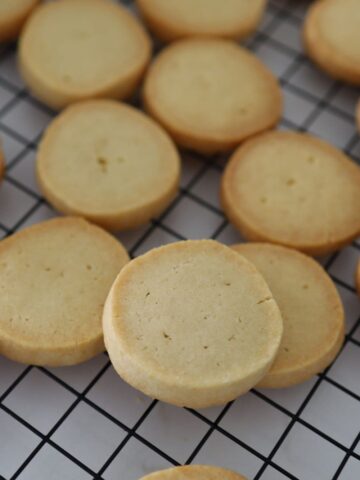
(84, 422)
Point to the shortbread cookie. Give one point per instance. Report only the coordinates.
(108, 162)
(54, 278)
(194, 472)
(13, 14)
(210, 94)
(174, 19)
(332, 38)
(357, 278)
(77, 49)
(293, 189)
(311, 309)
(192, 323)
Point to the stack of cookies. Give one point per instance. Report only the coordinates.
(193, 323)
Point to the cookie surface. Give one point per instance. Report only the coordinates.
(171, 19)
(332, 38)
(200, 104)
(194, 472)
(293, 189)
(311, 309)
(13, 14)
(54, 278)
(191, 323)
(77, 49)
(108, 162)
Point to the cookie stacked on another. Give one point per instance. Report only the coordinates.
(192, 323)
(197, 324)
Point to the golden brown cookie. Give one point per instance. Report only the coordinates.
(54, 278)
(332, 38)
(314, 323)
(173, 19)
(109, 163)
(191, 323)
(13, 14)
(210, 94)
(295, 190)
(72, 50)
(194, 472)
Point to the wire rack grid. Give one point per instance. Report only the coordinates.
(84, 422)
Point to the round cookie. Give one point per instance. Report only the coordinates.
(332, 38)
(72, 50)
(311, 309)
(13, 14)
(108, 162)
(171, 20)
(191, 323)
(54, 278)
(293, 189)
(357, 278)
(205, 107)
(194, 472)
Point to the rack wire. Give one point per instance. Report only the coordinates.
(85, 422)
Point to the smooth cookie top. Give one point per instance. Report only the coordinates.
(194, 472)
(76, 49)
(108, 162)
(192, 89)
(295, 190)
(13, 14)
(174, 19)
(54, 278)
(192, 323)
(332, 37)
(311, 309)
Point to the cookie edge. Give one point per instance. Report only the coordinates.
(124, 220)
(252, 232)
(10, 30)
(205, 143)
(24, 352)
(163, 387)
(182, 470)
(53, 94)
(305, 371)
(168, 31)
(324, 55)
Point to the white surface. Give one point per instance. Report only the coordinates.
(84, 422)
